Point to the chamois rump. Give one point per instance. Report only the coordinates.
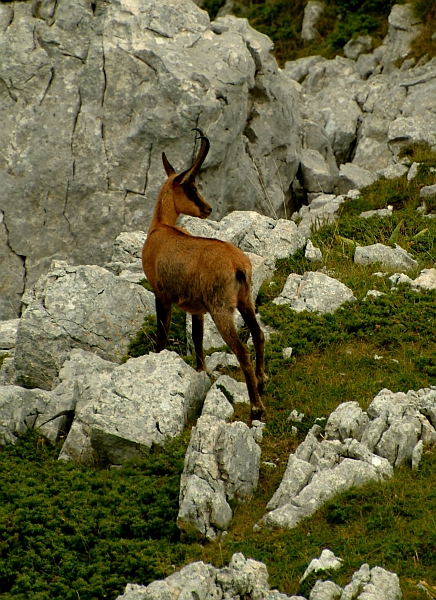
(201, 275)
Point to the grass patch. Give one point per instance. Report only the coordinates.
(72, 532)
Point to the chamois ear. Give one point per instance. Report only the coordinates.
(167, 166)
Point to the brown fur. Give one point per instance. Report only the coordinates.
(201, 276)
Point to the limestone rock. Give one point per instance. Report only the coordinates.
(326, 561)
(22, 409)
(323, 209)
(403, 29)
(8, 333)
(347, 421)
(104, 92)
(316, 175)
(353, 177)
(311, 253)
(325, 590)
(76, 307)
(298, 69)
(426, 280)
(122, 409)
(221, 463)
(126, 259)
(312, 12)
(315, 292)
(242, 578)
(427, 191)
(357, 46)
(394, 258)
(12, 285)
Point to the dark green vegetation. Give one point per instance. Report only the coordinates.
(67, 532)
(341, 20)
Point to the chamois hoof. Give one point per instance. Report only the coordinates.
(256, 413)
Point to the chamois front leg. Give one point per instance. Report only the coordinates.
(224, 320)
(249, 315)
(163, 316)
(197, 338)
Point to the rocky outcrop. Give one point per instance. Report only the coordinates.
(108, 413)
(247, 578)
(221, 464)
(122, 409)
(103, 89)
(76, 307)
(394, 258)
(356, 447)
(314, 292)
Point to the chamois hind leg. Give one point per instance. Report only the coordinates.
(163, 316)
(224, 320)
(246, 308)
(197, 338)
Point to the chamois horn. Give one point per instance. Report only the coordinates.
(192, 172)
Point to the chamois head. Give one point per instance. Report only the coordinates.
(187, 198)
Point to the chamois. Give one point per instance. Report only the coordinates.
(200, 275)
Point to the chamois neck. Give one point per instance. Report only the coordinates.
(164, 212)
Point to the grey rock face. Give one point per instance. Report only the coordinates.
(403, 29)
(221, 463)
(122, 409)
(298, 69)
(315, 292)
(312, 12)
(76, 307)
(393, 431)
(8, 334)
(104, 93)
(323, 209)
(326, 561)
(353, 177)
(427, 191)
(357, 46)
(12, 278)
(252, 233)
(325, 590)
(126, 259)
(394, 258)
(315, 173)
(22, 409)
(311, 253)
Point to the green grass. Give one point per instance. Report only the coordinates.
(70, 532)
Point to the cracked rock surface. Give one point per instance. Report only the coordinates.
(355, 448)
(315, 292)
(82, 306)
(90, 96)
(123, 408)
(221, 463)
(108, 413)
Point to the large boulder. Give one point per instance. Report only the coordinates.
(314, 292)
(89, 100)
(221, 463)
(121, 410)
(76, 307)
(393, 258)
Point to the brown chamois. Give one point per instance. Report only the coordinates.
(200, 275)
